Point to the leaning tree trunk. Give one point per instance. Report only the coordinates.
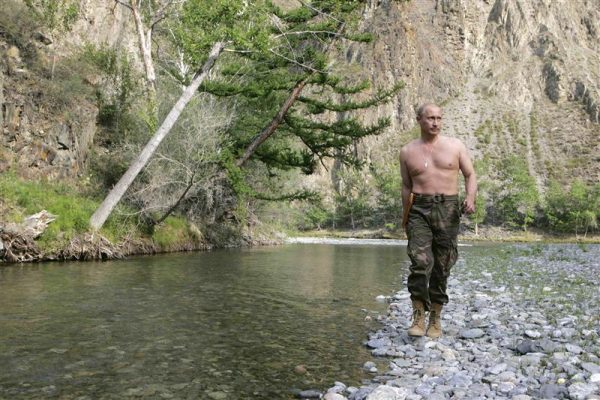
(117, 192)
(274, 124)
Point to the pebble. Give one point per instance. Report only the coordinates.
(385, 392)
(503, 338)
(310, 394)
(334, 396)
(472, 333)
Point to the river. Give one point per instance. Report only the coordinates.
(225, 324)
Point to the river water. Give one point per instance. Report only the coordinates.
(226, 324)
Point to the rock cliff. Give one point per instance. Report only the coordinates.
(515, 77)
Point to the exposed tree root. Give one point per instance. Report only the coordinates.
(18, 247)
(90, 246)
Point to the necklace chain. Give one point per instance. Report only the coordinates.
(425, 158)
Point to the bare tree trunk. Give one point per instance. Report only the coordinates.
(117, 192)
(274, 124)
(145, 43)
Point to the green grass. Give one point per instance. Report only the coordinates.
(24, 198)
(20, 198)
(173, 233)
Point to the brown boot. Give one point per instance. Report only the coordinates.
(434, 330)
(418, 325)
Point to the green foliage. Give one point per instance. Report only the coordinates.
(388, 189)
(519, 198)
(575, 210)
(480, 208)
(352, 199)
(172, 233)
(243, 24)
(19, 26)
(115, 93)
(317, 215)
(262, 79)
(57, 15)
(106, 169)
(482, 169)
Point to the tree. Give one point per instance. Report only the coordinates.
(572, 210)
(294, 90)
(224, 21)
(145, 24)
(520, 198)
(480, 210)
(115, 195)
(388, 185)
(483, 188)
(352, 198)
(276, 68)
(182, 170)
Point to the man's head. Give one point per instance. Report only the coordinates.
(429, 116)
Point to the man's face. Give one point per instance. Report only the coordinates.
(431, 120)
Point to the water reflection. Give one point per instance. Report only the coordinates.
(226, 323)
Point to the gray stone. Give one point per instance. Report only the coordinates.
(547, 346)
(424, 390)
(461, 379)
(211, 395)
(580, 390)
(361, 393)
(385, 392)
(498, 368)
(380, 342)
(591, 367)
(474, 333)
(532, 334)
(552, 391)
(402, 363)
(526, 346)
(573, 348)
(370, 366)
(333, 396)
(310, 394)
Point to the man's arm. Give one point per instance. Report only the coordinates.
(466, 167)
(406, 184)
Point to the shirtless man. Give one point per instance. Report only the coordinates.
(429, 168)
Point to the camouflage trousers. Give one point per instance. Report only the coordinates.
(432, 231)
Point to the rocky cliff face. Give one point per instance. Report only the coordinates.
(515, 77)
(48, 113)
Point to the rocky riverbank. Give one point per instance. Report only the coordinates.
(522, 324)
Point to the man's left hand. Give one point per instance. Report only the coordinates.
(468, 206)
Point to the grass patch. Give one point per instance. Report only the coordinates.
(172, 233)
(22, 198)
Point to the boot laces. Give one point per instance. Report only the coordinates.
(418, 317)
(434, 318)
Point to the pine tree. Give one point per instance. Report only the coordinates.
(290, 88)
